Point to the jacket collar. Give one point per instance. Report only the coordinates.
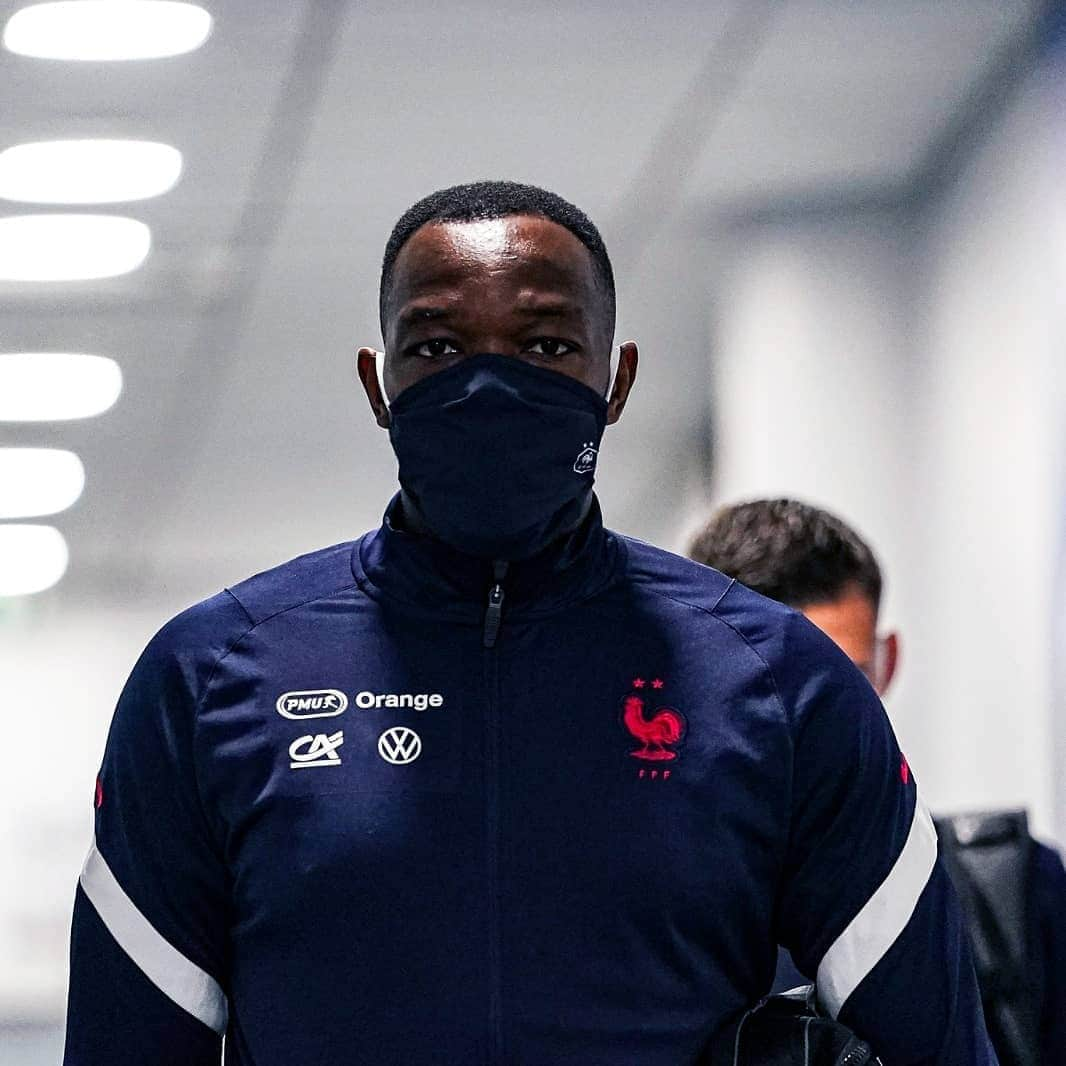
(430, 577)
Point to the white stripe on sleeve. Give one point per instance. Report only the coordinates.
(885, 915)
(168, 969)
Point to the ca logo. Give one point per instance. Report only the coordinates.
(399, 745)
(320, 750)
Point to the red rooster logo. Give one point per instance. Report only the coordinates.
(666, 726)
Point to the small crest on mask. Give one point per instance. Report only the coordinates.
(586, 460)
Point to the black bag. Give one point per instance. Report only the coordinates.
(989, 858)
(787, 1030)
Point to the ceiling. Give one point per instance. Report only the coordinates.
(308, 127)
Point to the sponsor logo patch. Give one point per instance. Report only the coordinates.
(658, 730)
(314, 751)
(311, 703)
(399, 745)
(416, 701)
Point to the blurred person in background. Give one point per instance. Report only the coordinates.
(492, 783)
(1013, 888)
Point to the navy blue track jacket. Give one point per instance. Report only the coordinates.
(337, 828)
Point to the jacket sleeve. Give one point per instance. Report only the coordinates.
(148, 943)
(866, 905)
(1049, 918)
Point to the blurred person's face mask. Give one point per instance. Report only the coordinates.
(498, 455)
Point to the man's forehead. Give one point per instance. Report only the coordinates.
(484, 238)
(442, 252)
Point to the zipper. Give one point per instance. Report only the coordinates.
(493, 615)
(494, 611)
(856, 1054)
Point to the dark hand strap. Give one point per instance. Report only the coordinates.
(787, 1031)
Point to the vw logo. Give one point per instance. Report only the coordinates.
(399, 745)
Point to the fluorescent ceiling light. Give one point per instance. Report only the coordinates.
(56, 386)
(32, 559)
(107, 29)
(87, 172)
(38, 481)
(70, 247)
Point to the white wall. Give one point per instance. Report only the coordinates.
(60, 675)
(816, 392)
(811, 368)
(910, 376)
(993, 498)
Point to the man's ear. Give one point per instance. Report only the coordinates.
(886, 669)
(366, 364)
(624, 377)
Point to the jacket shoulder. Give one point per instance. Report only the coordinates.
(755, 618)
(207, 630)
(674, 577)
(310, 577)
(789, 647)
(804, 663)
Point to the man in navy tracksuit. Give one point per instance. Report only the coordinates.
(493, 784)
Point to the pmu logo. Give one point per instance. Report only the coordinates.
(311, 703)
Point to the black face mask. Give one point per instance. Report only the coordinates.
(497, 455)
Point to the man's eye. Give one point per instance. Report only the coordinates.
(434, 349)
(550, 346)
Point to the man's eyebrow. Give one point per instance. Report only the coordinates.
(413, 315)
(530, 308)
(548, 308)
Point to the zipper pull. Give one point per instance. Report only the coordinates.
(495, 607)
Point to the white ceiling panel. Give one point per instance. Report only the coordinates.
(848, 93)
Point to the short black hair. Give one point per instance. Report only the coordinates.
(482, 200)
(789, 551)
